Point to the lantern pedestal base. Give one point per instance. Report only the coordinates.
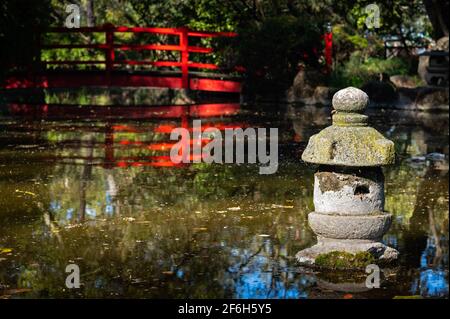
(382, 254)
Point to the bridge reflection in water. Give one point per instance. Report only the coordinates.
(125, 144)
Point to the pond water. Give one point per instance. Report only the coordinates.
(93, 186)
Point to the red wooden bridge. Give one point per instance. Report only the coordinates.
(112, 73)
(115, 70)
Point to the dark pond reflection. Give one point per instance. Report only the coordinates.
(94, 186)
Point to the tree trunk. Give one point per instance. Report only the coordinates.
(438, 13)
(90, 17)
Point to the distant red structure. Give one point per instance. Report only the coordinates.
(328, 37)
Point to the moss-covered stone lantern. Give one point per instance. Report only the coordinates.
(349, 214)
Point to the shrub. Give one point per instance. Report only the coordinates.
(358, 70)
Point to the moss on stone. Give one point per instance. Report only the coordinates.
(349, 146)
(330, 182)
(344, 260)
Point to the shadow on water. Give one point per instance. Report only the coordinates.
(95, 186)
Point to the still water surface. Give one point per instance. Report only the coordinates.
(94, 187)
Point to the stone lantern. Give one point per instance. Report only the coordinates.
(349, 214)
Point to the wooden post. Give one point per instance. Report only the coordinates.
(109, 52)
(184, 58)
(329, 50)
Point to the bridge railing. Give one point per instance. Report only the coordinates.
(111, 46)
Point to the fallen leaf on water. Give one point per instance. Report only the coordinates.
(25, 192)
(72, 226)
(5, 250)
(17, 291)
(27, 146)
(137, 280)
(281, 206)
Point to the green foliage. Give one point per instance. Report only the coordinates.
(358, 41)
(406, 20)
(347, 40)
(357, 70)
